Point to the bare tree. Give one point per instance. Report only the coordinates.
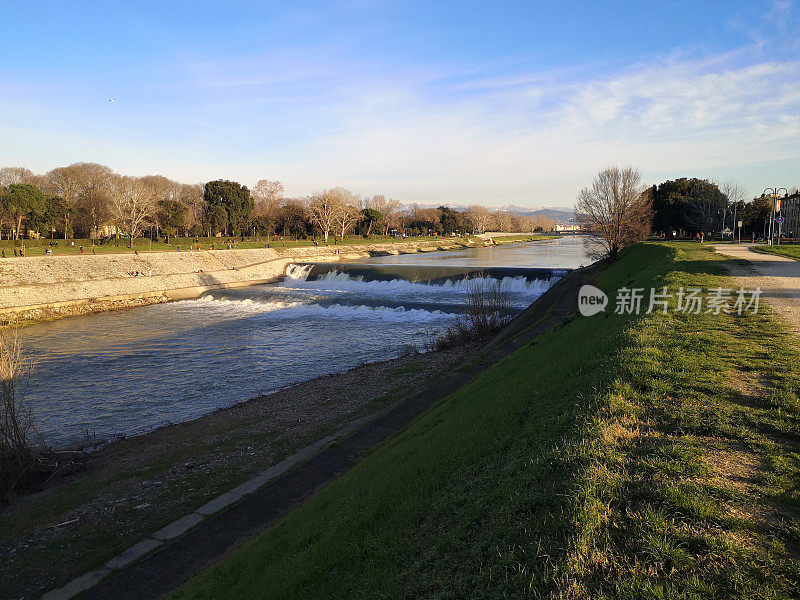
(348, 213)
(267, 192)
(133, 204)
(543, 222)
(733, 191)
(65, 182)
(501, 221)
(267, 200)
(11, 175)
(388, 207)
(159, 188)
(324, 210)
(192, 196)
(616, 210)
(480, 216)
(16, 418)
(93, 202)
(737, 196)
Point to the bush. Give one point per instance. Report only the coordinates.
(488, 311)
(17, 456)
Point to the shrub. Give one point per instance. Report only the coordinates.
(16, 419)
(488, 311)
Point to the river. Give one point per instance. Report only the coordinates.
(120, 373)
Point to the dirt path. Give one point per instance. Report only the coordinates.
(778, 278)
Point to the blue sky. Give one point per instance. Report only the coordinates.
(454, 102)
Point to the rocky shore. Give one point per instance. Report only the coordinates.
(131, 487)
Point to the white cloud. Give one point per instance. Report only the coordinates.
(438, 133)
(537, 142)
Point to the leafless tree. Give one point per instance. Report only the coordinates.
(388, 207)
(16, 418)
(703, 214)
(481, 217)
(348, 213)
(93, 204)
(543, 222)
(192, 196)
(737, 196)
(733, 191)
(616, 210)
(159, 188)
(268, 199)
(133, 204)
(12, 175)
(324, 210)
(65, 182)
(501, 221)
(267, 192)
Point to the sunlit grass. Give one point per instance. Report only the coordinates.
(615, 457)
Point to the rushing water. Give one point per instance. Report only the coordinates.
(126, 372)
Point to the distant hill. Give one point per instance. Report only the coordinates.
(557, 213)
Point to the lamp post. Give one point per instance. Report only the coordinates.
(773, 192)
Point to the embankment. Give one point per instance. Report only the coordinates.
(615, 456)
(47, 287)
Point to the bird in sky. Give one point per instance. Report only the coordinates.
(112, 99)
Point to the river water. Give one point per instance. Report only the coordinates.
(113, 374)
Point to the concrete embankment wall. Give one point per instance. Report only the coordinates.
(45, 287)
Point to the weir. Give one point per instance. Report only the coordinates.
(427, 274)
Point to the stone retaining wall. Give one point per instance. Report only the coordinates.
(46, 287)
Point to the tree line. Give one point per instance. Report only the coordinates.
(89, 200)
(687, 207)
(617, 210)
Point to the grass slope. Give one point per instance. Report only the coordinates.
(789, 251)
(615, 457)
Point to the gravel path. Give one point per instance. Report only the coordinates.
(778, 278)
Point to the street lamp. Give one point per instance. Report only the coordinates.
(773, 192)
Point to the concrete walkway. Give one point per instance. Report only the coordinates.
(162, 562)
(778, 278)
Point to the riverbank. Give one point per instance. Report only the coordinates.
(78, 246)
(130, 488)
(46, 287)
(622, 456)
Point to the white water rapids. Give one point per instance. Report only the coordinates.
(126, 372)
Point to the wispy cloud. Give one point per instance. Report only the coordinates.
(320, 113)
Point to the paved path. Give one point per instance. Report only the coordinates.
(778, 278)
(192, 544)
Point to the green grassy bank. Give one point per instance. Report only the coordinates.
(525, 237)
(112, 246)
(618, 456)
(789, 251)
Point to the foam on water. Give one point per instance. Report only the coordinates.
(342, 282)
(125, 372)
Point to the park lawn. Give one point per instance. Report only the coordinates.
(111, 246)
(526, 237)
(617, 456)
(787, 250)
